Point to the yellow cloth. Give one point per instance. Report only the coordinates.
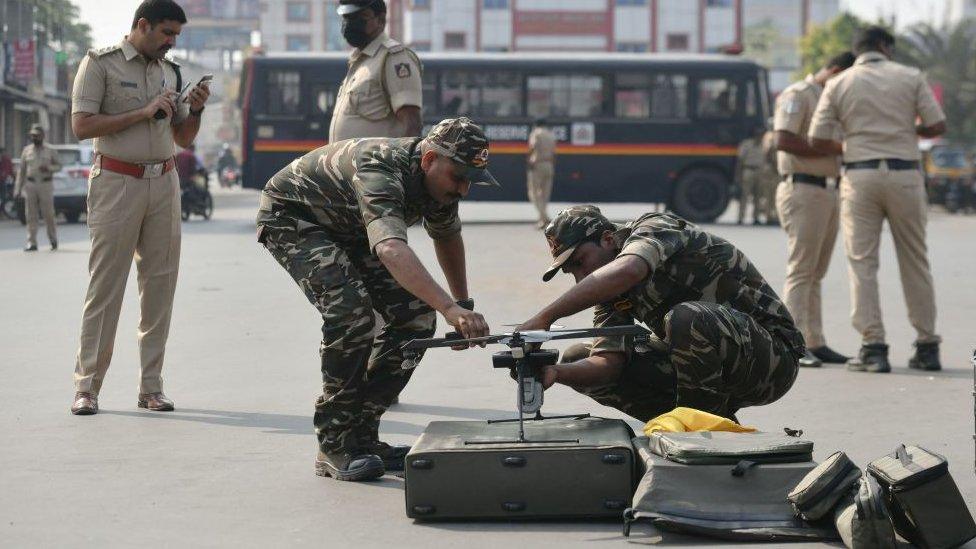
(681, 419)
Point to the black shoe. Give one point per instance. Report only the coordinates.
(392, 454)
(351, 466)
(54, 245)
(810, 361)
(871, 358)
(828, 355)
(926, 357)
(30, 248)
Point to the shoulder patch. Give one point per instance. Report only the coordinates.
(402, 70)
(94, 53)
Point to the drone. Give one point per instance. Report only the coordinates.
(525, 360)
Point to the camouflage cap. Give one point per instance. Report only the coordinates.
(569, 229)
(36, 129)
(464, 142)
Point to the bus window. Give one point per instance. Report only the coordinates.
(566, 95)
(669, 97)
(632, 96)
(324, 99)
(429, 90)
(489, 95)
(716, 98)
(284, 92)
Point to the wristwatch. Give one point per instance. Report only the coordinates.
(466, 304)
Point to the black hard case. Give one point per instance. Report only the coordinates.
(476, 470)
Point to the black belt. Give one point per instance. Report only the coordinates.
(817, 180)
(45, 180)
(893, 164)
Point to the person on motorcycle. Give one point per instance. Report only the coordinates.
(226, 160)
(188, 166)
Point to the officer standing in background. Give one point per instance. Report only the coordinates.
(747, 170)
(381, 95)
(35, 181)
(336, 219)
(541, 167)
(876, 104)
(807, 204)
(769, 176)
(125, 97)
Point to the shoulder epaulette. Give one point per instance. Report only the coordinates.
(93, 53)
(393, 46)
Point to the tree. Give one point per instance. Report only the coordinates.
(56, 24)
(945, 54)
(825, 41)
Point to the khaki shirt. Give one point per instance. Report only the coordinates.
(542, 146)
(875, 103)
(794, 112)
(689, 264)
(750, 155)
(32, 159)
(118, 79)
(360, 191)
(382, 78)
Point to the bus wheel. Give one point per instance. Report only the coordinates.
(700, 195)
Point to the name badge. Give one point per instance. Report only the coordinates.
(129, 85)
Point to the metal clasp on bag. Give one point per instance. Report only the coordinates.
(153, 170)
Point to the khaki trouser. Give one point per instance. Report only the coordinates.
(868, 197)
(748, 193)
(129, 216)
(40, 197)
(539, 180)
(809, 215)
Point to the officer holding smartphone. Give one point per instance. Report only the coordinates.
(126, 98)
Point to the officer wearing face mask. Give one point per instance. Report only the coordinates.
(381, 94)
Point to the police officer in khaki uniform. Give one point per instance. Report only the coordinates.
(876, 104)
(541, 168)
(807, 204)
(125, 96)
(381, 95)
(749, 162)
(768, 177)
(38, 164)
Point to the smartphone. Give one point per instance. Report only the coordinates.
(204, 80)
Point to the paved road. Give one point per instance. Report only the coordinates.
(233, 466)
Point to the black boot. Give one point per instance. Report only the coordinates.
(871, 358)
(829, 356)
(926, 357)
(392, 454)
(348, 465)
(810, 361)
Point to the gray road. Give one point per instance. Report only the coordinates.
(233, 466)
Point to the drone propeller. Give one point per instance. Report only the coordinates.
(528, 336)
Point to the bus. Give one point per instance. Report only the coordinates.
(652, 128)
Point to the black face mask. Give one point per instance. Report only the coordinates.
(354, 31)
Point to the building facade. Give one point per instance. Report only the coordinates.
(565, 25)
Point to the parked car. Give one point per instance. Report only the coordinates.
(70, 183)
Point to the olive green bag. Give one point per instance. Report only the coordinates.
(862, 519)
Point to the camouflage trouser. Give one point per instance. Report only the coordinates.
(718, 360)
(345, 282)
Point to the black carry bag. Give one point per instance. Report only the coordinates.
(724, 485)
(568, 468)
(817, 494)
(862, 519)
(924, 502)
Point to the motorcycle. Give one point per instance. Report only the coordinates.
(195, 198)
(8, 203)
(230, 177)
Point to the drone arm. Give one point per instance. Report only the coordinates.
(604, 284)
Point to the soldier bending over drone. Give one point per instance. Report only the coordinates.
(725, 340)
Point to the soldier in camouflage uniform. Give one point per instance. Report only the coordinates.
(724, 339)
(336, 219)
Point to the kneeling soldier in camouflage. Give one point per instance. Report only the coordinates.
(336, 219)
(725, 341)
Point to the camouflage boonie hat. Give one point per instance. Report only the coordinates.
(568, 229)
(464, 142)
(36, 129)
